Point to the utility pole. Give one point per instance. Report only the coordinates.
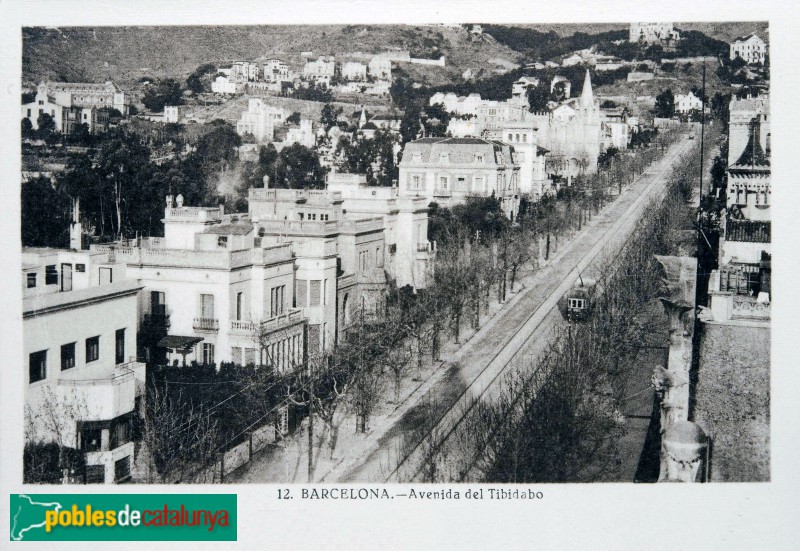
(702, 131)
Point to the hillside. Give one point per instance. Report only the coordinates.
(722, 30)
(126, 54)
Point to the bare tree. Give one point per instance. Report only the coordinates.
(179, 439)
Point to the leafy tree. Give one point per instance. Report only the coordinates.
(294, 118)
(44, 214)
(329, 116)
(410, 125)
(435, 120)
(665, 104)
(164, 92)
(28, 97)
(46, 126)
(299, 168)
(538, 96)
(196, 83)
(27, 128)
(719, 107)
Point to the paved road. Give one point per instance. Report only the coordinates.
(521, 330)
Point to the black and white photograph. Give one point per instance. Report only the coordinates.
(416, 256)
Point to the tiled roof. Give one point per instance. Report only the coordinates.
(749, 231)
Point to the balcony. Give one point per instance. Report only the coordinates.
(188, 258)
(103, 394)
(280, 321)
(290, 317)
(442, 192)
(205, 324)
(243, 327)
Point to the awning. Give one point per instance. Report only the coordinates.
(178, 342)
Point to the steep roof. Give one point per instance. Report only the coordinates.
(753, 156)
(587, 98)
(460, 150)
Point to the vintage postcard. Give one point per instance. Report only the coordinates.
(339, 263)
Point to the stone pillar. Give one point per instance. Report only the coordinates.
(683, 453)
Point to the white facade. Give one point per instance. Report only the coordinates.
(260, 120)
(172, 113)
(225, 85)
(653, 33)
(339, 262)
(219, 287)
(519, 89)
(321, 69)
(353, 70)
(380, 68)
(449, 170)
(90, 94)
(302, 134)
(684, 103)
(276, 70)
(750, 48)
(82, 381)
(530, 157)
(408, 253)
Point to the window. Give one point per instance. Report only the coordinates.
(38, 366)
(510, 137)
(157, 303)
(416, 182)
(95, 474)
(479, 158)
(68, 356)
(29, 113)
(51, 275)
(236, 355)
(119, 348)
(577, 303)
(301, 298)
(222, 241)
(80, 268)
(207, 306)
(122, 469)
(277, 300)
(41, 102)
(249, 356)
(378, 258)
(92, 349)
(208, 353)
(239, 306)
(31, 280)
(314, 293)
(524, 138)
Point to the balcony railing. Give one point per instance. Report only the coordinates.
(205, 324)
(243, 327)
(277, 322)
(288, 318)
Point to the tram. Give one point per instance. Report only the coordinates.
(576, 304)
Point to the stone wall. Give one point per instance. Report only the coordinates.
(731, 399)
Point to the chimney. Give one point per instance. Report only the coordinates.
(266, 181)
